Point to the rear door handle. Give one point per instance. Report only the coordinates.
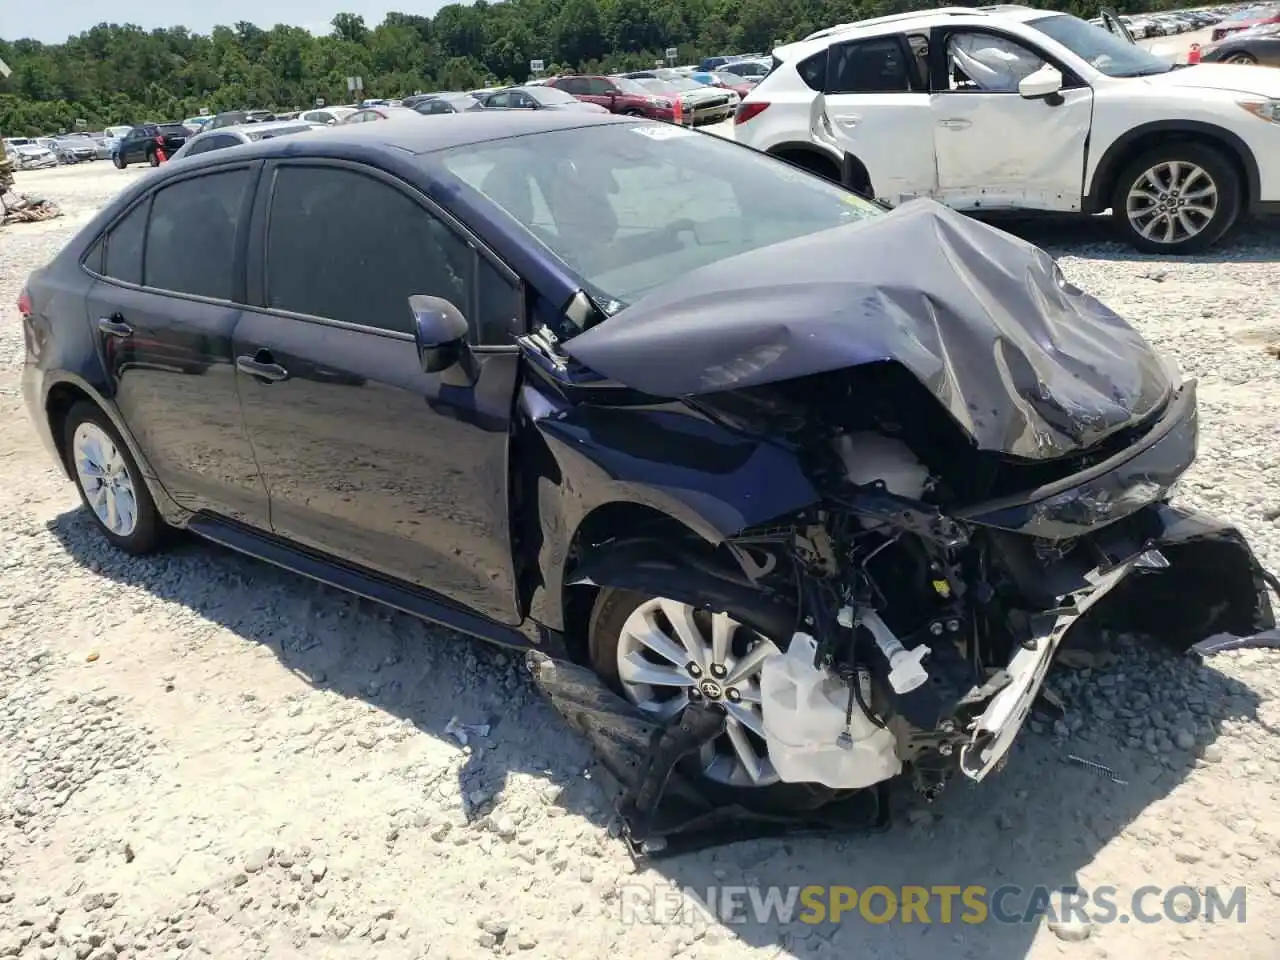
(114, 328)
(262, 367)
(955, 124)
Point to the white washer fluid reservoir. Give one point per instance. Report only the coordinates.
(804, 719)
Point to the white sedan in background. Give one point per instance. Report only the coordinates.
(243, 133)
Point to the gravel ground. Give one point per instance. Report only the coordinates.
(202, 755)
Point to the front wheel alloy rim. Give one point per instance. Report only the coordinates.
(1172, 202)
(105, 479)
(671, 654)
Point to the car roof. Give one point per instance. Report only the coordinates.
(416, 135)
(915, 20)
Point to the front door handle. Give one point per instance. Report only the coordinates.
(114, 328)
(262, 367)
(955, 124)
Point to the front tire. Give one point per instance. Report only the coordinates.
(1177, 199)
(1245, 58)
(119, 161)
(660, 654)
(109, 482)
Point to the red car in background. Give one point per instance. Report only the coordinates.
(1246, 20)
(617, 95)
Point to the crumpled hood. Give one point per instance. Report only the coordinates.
(1238, 77)
(1026, 364)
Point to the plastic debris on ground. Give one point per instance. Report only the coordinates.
(463, 732)
(662, 811)
(18, 208)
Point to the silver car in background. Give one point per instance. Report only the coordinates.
(222, 137)
(330, 116)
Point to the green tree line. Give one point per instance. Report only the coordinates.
(117, 74)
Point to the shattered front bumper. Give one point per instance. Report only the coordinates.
(1166, 573)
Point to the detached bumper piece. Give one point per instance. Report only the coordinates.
(662, 811)
(1213, 584)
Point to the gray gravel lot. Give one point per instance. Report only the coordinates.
(201, 755)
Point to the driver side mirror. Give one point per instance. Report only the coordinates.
(1041, 85)
(440, 332)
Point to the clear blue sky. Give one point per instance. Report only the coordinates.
(52, 21)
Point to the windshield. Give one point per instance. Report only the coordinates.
(1100, 48)
(684, 83)
(629, 86)
(630, 207)
(550, 95)
(657, 86)
(173, 129)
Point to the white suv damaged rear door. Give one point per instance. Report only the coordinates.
(876, 107)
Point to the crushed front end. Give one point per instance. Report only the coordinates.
(934, 615)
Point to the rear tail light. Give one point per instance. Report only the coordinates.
(24, 303)
(748, 110)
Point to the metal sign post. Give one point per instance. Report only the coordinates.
(673, 54)
(536, 67)
(355, 86)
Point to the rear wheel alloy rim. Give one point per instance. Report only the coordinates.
(1172, 202)
(105, 479)
(1241, 58)
(671, 654)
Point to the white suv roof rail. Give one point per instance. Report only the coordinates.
(896, 17)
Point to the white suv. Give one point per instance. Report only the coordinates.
(1012, 108)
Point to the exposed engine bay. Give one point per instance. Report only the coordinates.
(933, 601)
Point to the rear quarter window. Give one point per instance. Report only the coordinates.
(812, 70)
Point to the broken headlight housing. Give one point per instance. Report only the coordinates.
(1263, 109)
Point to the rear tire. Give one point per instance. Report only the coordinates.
(111, 486)
(1242, 57)
(612, 647)
(1178, 198)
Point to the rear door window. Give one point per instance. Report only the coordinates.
(191, 240)
(878, 65)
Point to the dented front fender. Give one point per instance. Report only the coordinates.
(663, 456)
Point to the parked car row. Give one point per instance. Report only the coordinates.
(1246, 19)
(1259, 44)
(1145, 26)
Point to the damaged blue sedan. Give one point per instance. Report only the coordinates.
(788, 494)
